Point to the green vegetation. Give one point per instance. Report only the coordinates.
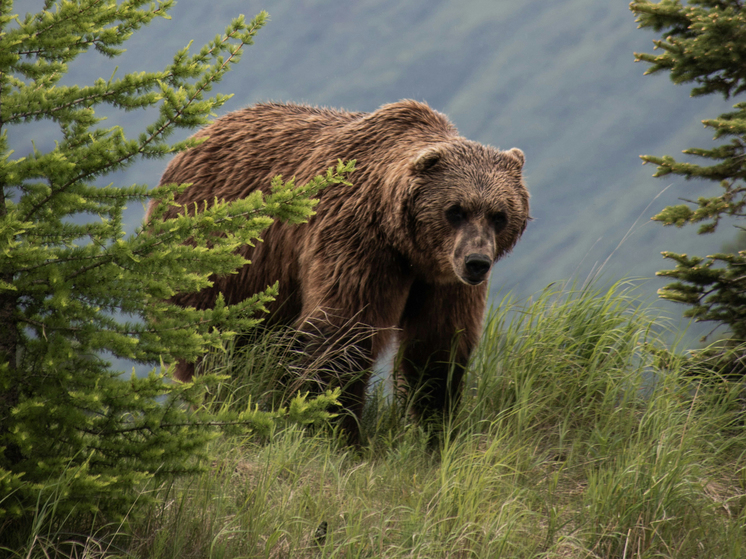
(582, 432)
(572, 442)
(79, 445)
(703, 43)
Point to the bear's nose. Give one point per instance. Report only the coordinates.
(477, 266)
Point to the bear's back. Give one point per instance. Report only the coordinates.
(246, 148)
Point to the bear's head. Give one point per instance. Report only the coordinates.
(466, 207)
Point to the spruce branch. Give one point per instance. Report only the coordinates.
(704, 44)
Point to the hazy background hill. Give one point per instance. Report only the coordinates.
(556, 79)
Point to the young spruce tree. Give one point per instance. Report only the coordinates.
(77, 440)
(705, 43)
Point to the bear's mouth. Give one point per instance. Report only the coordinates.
(473, 281)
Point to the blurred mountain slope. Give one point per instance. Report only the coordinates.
(556, 79)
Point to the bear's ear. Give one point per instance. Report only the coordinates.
(517, 154)
(426, 160)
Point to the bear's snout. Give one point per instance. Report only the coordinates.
(477, 267)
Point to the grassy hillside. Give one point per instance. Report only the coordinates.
(572, 441)
(583, 432)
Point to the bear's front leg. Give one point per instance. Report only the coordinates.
(348, 319)
(440, 327)
(339, 353)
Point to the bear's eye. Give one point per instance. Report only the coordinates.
(499, 220)
(455, 215)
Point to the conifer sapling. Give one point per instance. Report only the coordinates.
(75, 436)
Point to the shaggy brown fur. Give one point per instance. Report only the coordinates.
(407, 248)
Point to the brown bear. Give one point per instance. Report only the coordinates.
(405, 251)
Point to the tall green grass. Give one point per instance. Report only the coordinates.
(572, 441)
